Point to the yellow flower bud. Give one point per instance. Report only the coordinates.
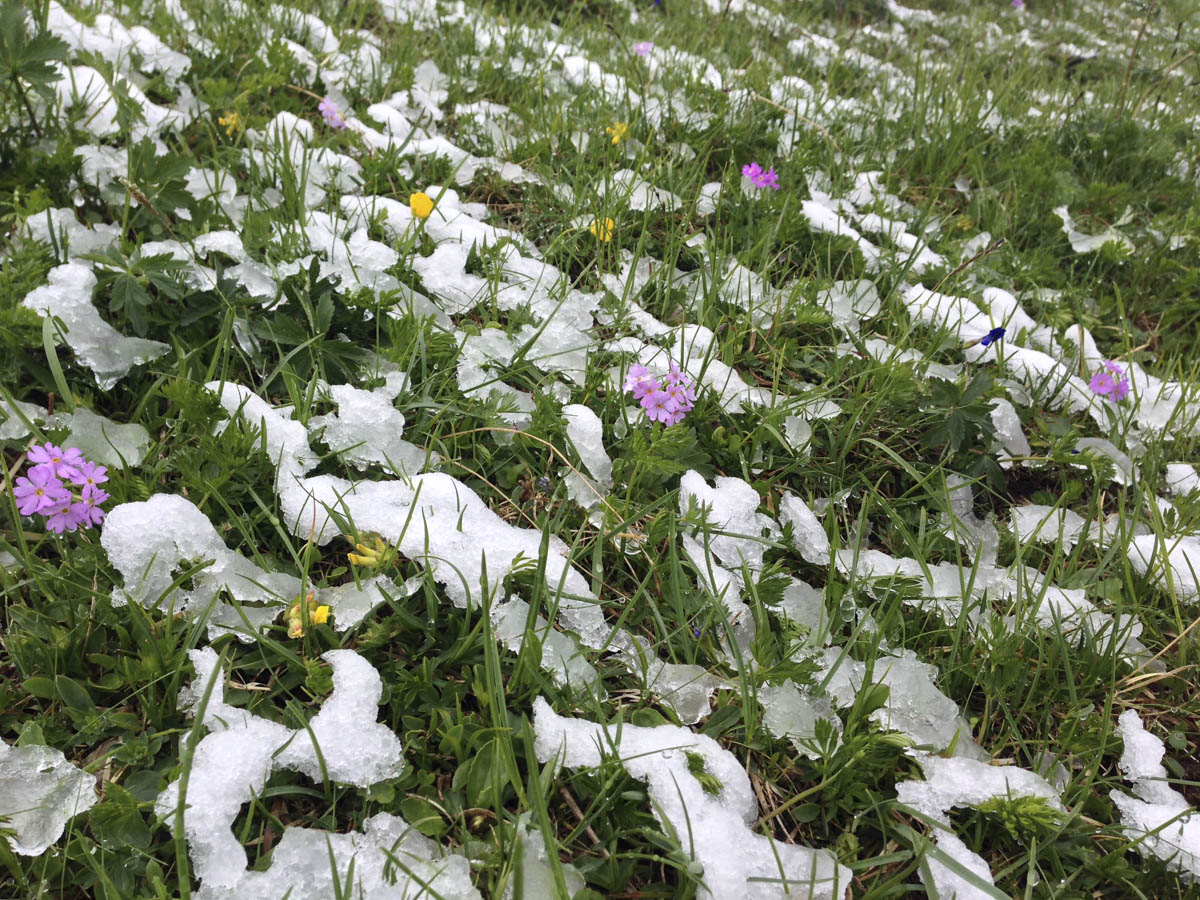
(320, 615)
(619, 132)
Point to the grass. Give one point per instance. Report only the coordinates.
(972, 127)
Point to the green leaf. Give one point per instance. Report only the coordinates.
(73, 694)
(40, 687)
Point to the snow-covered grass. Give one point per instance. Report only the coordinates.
(399, 591)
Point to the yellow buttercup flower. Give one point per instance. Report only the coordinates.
(619, 132)
(603, 229)
(231, 122)
(421, 204)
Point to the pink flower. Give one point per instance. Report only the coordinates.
(1110, 382)
(639, 381)
(89, 475)
(63, 517)
(40, 491)
(88, 512)
(760, 179)
(62, 462)
(643, 48)
(1018, 4)
(331, 114)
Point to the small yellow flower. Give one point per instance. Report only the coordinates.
(368, 556)
(619, 132)
(317, 615)
(421, 204)
(603, 229)
(231, 122)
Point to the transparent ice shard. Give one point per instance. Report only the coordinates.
(1158, 818)
(792, 712)
(101, 439)
(1182, 479)
(1090, 243)
(735, 861)
(12, 425)
(586, 433)
(1008, 431)
(1174, 562)
(151, 542)
(95, 343)
(808, 534)
(537, 877)
(59, 228)
(685, 688)
(849, 302)
(40, 791)
(915, 707)
(737, 533)
(1047, 524)
(1124, 471)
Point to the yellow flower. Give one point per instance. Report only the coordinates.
(603, 229)
(619, 132)
(317, 615)
(368, 556)
(421, 204)
(231, 122)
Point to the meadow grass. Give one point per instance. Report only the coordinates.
(978, 118)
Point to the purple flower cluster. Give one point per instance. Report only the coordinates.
(43, 492)
(759, 178)
(1110, 382)
(667, 401)
(331, 114)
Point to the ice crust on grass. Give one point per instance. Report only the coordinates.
(432, 518)
(151, 542)
(561, 656)
(714, 829)
(1090, 243)
(40, 791)
(1175, 562)
(915, 707)
(366, 430)
(1182, 479)
(737, 532)
(95, 343)
(101, 439)
(685, 688)
(343, 742)
(792, 712)
(1158, 818)
(957, 782)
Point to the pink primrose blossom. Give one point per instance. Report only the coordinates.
(39, 491)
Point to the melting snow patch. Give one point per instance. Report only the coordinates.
(1158, 819)
(1090, 243)
(96, 344)
(714, 827)
(151, 542)
(343, 742)
(39, 793)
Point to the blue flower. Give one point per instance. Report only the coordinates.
(992, 336)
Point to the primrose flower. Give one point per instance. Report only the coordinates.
(1018, 4)
(40, 491)
(61, 462)
(231, 122)
(619, 131)
(1110, 382)
(643, 48)
(667, 401)
(421, 204)
(991, 337)
(760, 179)
(603, 229)
(331, 114)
